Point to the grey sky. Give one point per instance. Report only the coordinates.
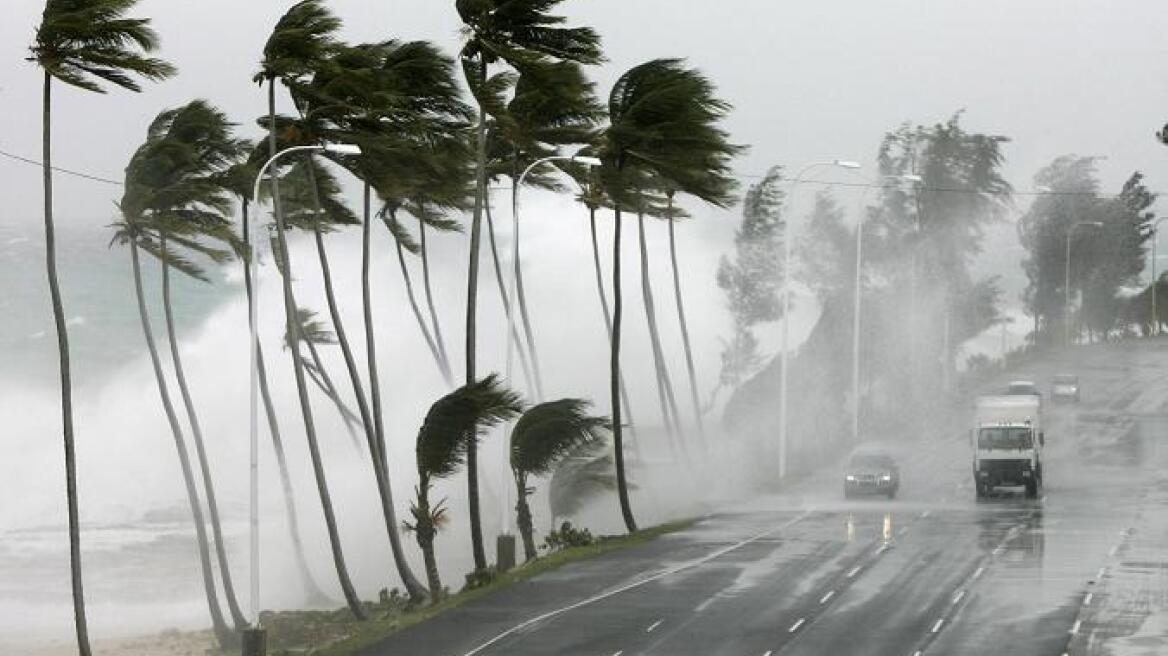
(809, 80)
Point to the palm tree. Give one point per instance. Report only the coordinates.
(238, 179)
(660, 115)
(314, 334)
(514, 32)
(593, 198)
(172, 195)
(452, 424)
(83, 43)
(302, 38)
(542, 438)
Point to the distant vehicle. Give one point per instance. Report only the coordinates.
(1023, 388)
(1008, 441)
(1065, 387)
(871, 473)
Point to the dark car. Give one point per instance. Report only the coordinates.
(871, 473)
(1023, 388)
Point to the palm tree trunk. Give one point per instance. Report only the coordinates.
(224, 634)
(441, 343)
(200, 450)
(472, 292)
(624, 395)
(443, 367)
(325, 382)
(292, 323)
(622, 486)
(81, 625)
(424, 531)
(689, 363)
(523, 519)
(412, 585)
(522, 301)
(665, 384)
(311, 589)
(532, 382)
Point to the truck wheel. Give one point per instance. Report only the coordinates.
(982, 489)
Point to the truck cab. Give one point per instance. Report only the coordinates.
(1007, 442)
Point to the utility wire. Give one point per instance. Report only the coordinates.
(834, 183)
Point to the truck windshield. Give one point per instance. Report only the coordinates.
(1004, 437)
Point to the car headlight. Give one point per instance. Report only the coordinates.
(886, 477)
(849, 477)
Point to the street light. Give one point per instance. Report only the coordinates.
(511, 292)
(787, 239)
(253, 426)
(1067, 280)
(1155, 317)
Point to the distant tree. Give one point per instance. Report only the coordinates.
(451, 425)
(751, 280)
(581, 475)
(83, 43)
(545, 435)
(1117, 255)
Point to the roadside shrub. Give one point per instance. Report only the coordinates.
(567, 537)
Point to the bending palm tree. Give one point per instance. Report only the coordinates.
(83, 43)
(513, 31)
(302, 38)
(659, 112)
(452, 424)
(541, 439)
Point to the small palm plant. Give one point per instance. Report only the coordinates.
(453, 423)
(544, 436)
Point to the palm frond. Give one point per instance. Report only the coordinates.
(458, 418)
(550, 431)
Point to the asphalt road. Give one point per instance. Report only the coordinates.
(1081, 570)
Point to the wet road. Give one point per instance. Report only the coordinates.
(1081, 570)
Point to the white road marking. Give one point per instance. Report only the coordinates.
(958, 597)
(937, 626)
(1075, 628)
(917, 652)
(1087, 599)
(636, 584)
(1101, 574)
(829, 595)
(882, 549)
(998, 551)
(926, 514)
(902, 531)
(977, 574)
(618, 653)
(796, 625)
(855, 570)
(769, 652)
(1111, 554)
(653, 626)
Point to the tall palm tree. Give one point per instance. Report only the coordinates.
(314, 334)
(659, 112)
(172, 195)
(452, 424)
(83, 43)
(554, 105)
(545, 435)
(238, 179)
(302, 38)
(511, 32)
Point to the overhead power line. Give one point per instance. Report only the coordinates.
(833, 183)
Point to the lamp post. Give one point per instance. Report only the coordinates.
(252, 317)
(1067, 280)
(505, 521)
(1155, 316)
(787, 239)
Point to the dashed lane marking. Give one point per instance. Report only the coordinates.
(957, 597)
(653, 626)
(1088, 598)
(796, 625)
(1075, 627)
(977, 574)
(829, 595)
(937, 626)
(855, 570)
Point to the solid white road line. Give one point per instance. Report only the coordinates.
(653, 626)
(638, 583)
(796, 625)
(829, 595)
(937, 626)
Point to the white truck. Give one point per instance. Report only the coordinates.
(1007, 442)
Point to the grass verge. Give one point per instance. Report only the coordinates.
(336, 633)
